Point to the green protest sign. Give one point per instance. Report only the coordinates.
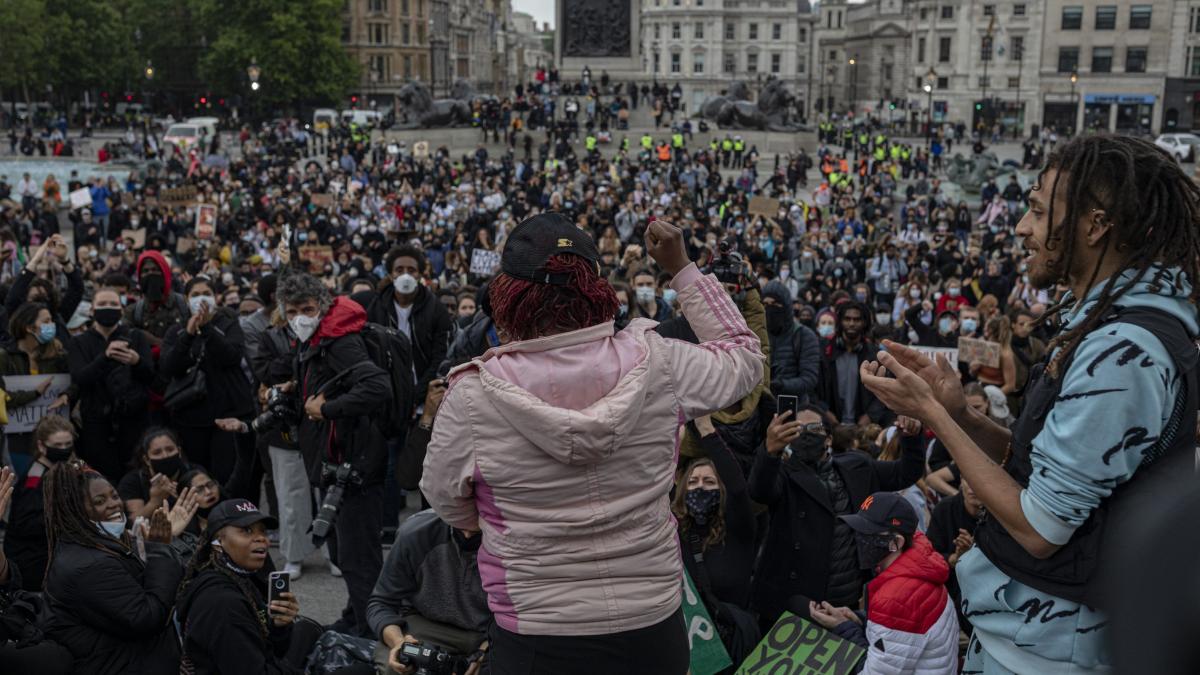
(798, 647)
(708, 654)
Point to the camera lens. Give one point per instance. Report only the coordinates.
(280, 584)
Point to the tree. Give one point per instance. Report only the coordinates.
(22, 61)
(90, 44)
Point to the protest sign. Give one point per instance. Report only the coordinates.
(26, 417)
(180, 196)
(322, 200)
(316, 256)
(420, 149)
(986, 353)
(138, 237)
(80, 198)
(763, 206)
(206, 222)
(185, 245)
(708, 654)
(484, 262)
(948, 353)
(798, 647)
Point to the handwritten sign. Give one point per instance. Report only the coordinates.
(763, 206)
(322, 200)
(708, 654)
(137, 238)
(798, 647)
(316, 256)
(180, 196)
(206, 222)
(971, 350)
(484, 262)
(421, 149)
(26, 417)
(80, 198)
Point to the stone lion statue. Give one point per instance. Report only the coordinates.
(423, 111)
(733, 109)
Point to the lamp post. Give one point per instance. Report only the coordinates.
(1074, 105)
(930, 81)
(853, 83)
(253, 72)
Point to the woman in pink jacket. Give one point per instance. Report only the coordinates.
(561, 444)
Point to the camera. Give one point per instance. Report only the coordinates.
(338, 477)
(427, 659)
(282, 412)
(726, 264)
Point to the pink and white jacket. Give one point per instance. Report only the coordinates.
(562, 451)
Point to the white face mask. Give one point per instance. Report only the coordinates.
(113, 528)
(197, 301)
(304, 326)
(645, 295)
(405, 284)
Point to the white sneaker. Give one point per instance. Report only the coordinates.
(293, 570)
(334, 571)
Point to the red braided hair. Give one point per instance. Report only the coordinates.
(524, 310)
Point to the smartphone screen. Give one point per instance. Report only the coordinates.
(785, 403)
(277, 584)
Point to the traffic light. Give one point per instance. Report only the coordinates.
(354, 100)
(892, 105)
(979, 106)
(203, 100)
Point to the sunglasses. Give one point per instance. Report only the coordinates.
(814, 428)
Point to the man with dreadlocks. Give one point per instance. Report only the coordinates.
(1116, 220)
(561, 445)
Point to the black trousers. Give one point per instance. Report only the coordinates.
(211, 448)
(661, 649)
(359, 550)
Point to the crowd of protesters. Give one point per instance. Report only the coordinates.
(336, 297)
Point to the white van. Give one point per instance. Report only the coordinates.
(324, 119)
(369, 118)
(194, 131)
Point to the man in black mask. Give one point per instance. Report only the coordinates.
(810, 553)
(795, 350)
(159, 308)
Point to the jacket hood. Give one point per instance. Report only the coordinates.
(1166, 289)
(571, 436)
(919, 562)
(162, 265)
(779, 292)
(345, 316)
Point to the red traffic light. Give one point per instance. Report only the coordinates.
(203, 100)
(354, 99)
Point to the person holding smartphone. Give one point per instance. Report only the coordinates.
(228, 624)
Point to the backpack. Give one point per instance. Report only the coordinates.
(390, 350)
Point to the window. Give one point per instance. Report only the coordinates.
(1019, 9)
(1106, 17)
(676, 31)
(1068, 59)
(676, 61)
(378, 33)
(657, 31)
(462, 43)
(421, 12)
(920, 50)
(729, 63)
(408, 71)
(345, 31)
(403, 7)
(943, 83)
(1072, 18)
(1139, 16)
(944, 50)
(405, 33)
(729, 31)
(776, 63)
(924, 13)
(1102, 59)
(380, 64)
(698, 33)
(1194, 20)
(1018, 48)
(985, 48)
(803, 35)
(657, 62)
(839, 19)
(947, 11)
(1014, 82)
(377, 5)
(983, 81)
(1194, 62)
(463, 67)
(1135, 60)
(420, 32)
(989, 10)
(753, 31)
(752, 63)
(887, 74)
(698, 63)
(801, 64)
(776, 31)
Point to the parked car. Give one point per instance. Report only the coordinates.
(324, 119)
(1184, 147)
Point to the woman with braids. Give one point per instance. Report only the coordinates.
(560, 445)
(107, 606)
(1116, 220)
(228, 626)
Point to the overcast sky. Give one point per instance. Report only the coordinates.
(542, 11)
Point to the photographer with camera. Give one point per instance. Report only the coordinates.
(430, 594)
(341, 392)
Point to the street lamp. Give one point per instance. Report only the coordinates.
(253, 71)
(930, 80)
(1074, 105)
(853, 83)
(149, 71)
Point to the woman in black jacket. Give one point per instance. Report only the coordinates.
(25, 539)
(228, 625)
(111, 610)
(212, 338)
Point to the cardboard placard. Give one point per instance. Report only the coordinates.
(708, 655)
(950, 354)
(798, 647)
(80, 198)
(322, 200)
(766, 207)
(180, 196)
(420, 149)
(206, 222)
(316, 256)
(26, 417)
(184, 245)
(138, 237)
(484, 262)
(971, 350)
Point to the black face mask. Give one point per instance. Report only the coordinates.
(153, 286)
(107, 316)
(167, 466)
(59, 454)
(465, 544)
(778, 319)
(464, 321)
(808, 448)
(872, 549)
(702, 504)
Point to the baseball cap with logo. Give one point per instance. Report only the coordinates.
(239, 513)
(539, 238)
(883, 512)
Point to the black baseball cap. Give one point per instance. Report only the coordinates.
(239, 513)
(883, 512)
(536, 240)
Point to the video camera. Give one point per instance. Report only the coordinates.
(338, 477)
(427, 659)
(727, 264)
(282, 412)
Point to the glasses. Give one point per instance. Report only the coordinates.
(814, 428)
(208, 486)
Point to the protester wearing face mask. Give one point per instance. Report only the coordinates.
(159, 462)
(113, 368)
(795, 350)
(826, 326)
(28, 286)
(159, 309)
(942, 333)
(35, 349)
(909, 624)
(804, 486)
(646, 303)
(953, 299)
(716, 535)
(25, 538)
(105, 605)
(408, 306)
(968, 321)
(212, 341)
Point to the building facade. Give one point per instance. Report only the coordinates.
(389, 38)
(529, 49)
(1181, 98)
